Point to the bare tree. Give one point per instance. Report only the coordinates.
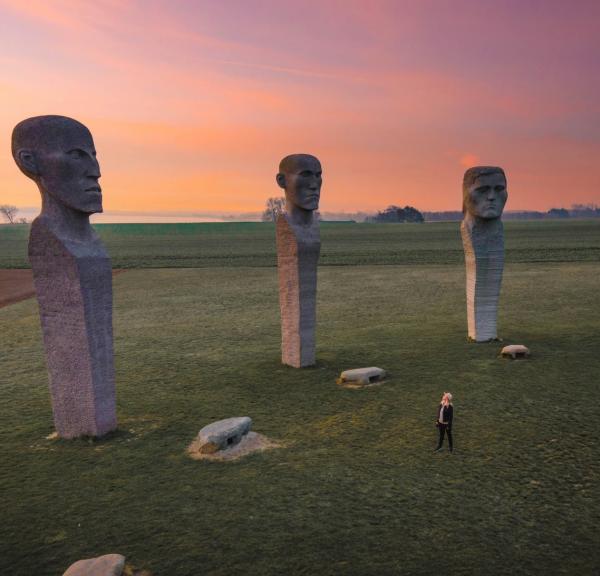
(275, 206)
(9, 212)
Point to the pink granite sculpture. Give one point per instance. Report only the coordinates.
(484, 197)
(72, 273)
(298, 247)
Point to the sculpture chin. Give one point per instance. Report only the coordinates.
(489, 214)
(309, 205)
(92, 206)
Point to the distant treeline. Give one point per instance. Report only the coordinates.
(409, 214)
(576, 211)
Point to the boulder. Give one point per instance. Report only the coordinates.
(222, 434)
(107, 565)
(516, 351)
(362, 376)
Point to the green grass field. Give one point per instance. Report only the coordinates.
(356, 488)
(344, 244)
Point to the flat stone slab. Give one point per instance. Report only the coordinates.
(107, 565)
(362, 376)
(515, 351)
(250, 442)
(222, 434)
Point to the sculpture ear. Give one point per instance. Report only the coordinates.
(26, 162)
(280, 180)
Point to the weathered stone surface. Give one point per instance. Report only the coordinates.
(250, 442)
(107, 565)
(297, 259)
(222, 434)
(72, 273)
(298, 248)
(516, 351)
(362, 376)
(484, 197)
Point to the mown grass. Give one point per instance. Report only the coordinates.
(356, 489)
(343, 244)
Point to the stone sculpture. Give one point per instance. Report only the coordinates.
(298, 247)
(484, 197)
(72, 272)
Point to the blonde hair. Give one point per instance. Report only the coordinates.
(447, 395)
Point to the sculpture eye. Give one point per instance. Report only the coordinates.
(305, 173)
(77, 154)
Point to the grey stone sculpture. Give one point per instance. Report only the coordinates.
(72, 273)
(484, 197)
(298, 248)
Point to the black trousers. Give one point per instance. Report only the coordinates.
(443, 428)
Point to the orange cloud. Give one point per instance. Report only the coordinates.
(469, 160)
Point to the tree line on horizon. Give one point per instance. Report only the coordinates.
(393, 213)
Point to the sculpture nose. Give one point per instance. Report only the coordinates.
(94, 170)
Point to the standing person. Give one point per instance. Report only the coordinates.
(443, 421)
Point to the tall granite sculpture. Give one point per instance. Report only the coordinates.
(298, 247)
(484, 197)
(72, 272)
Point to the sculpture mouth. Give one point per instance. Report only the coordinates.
(94, 189)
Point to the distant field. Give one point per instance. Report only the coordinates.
(343, 244)
(356, 490)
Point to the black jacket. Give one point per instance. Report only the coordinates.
(446, 416)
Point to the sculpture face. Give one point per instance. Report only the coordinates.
(70, 172)
(486, 196)
(59, 154)
(301, 178)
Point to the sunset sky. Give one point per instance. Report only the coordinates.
(193, 103)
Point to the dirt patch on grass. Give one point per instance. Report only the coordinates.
(358, 386)
(251, 442)
(17, 285)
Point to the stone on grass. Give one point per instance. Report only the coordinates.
(516, 351)
(223, 434)
(228, 439)
(107, 565)
(362, 376)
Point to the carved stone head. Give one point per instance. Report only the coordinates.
(300, 175)
(484, 192)
(58, 154)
